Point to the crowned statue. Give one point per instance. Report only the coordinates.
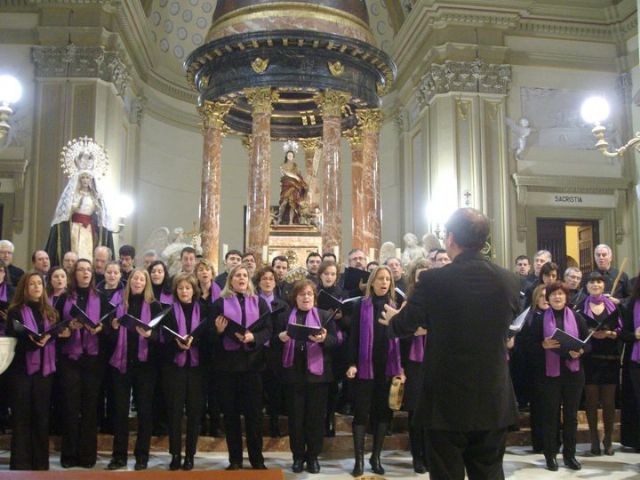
(82, 219)
(293, 188)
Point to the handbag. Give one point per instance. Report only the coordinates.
(396, 393)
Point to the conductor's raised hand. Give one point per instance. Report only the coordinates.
(388, 313)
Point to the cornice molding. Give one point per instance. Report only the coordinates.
(596, 185)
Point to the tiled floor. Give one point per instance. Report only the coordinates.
(519, 464)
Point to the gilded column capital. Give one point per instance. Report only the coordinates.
(370, 119)
(331, 102)
(247, 142)
(310, 144)
(261, 99)
(213, 114)
(354, 136)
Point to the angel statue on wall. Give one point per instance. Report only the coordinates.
(521, 131)
(293, 188)
(82, 219)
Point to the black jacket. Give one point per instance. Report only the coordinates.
(467, 307)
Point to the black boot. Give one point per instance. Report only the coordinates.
(358, 449)
(330, 425)
(418, 452)
(378, 439)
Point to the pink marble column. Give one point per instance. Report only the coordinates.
(213, 126)
(370, 121)
(259, 215)
(330, 103)
(358, 191)
(311, 150)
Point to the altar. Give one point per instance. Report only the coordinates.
(294, 242)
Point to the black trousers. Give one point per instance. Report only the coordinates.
(141, 378)
(183, 387)
(553, 392)
(479, 452)
(273, 392)
(240, 393)
(30, 397)
(371, 401)
(307, 406)
(634, 376)
(81, 382)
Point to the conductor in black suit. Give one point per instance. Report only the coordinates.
(467, 402)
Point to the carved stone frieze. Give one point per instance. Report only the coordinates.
(87, 62)
(471, 77)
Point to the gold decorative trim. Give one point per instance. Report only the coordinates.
(310, 144)
(370, 119)
(213, 114)
(331, 103)
(259, 65)
(336, 68)
(261, 99)
(354, 136)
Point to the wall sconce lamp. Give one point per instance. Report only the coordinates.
(10, 93)
(595, 110)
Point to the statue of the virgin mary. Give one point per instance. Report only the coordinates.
(82, 220)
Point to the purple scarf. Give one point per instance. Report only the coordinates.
(181, 358)
(416, 352)
(233, 312)
(3, 292)
(214, 292)
(635, 353)
(119, 357)
(315, 357)
(34, 357)
(82, 341)
(166, 298)
(117, 298)
(609, 307)
(552, 358)
(269, 299)
(365, 350)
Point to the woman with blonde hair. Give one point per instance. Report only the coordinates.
(133, 367)
(374, 360)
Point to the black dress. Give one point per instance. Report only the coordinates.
(602, 365)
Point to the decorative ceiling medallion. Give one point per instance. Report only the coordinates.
(336, 68)
(259, 65)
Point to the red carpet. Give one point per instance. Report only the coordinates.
(148, 475)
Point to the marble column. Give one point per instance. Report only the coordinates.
(312, 153)
(370, 121)
(354, 135)
(258, 214)
(213, 128)
(330, 103)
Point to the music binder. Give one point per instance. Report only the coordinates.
(131, 322)
(52, 330)
(353, 276)
(233, 327)
(518, 323)
(326, 301)
(302, 332)
(568, 341)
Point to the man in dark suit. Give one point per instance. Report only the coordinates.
(467, 400)
(603, 256)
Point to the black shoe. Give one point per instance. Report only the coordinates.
(140, 465)
(608, 450)
(313, 466)
(258, 466)
(376, 466)
(595, 450)
(572, 463)
(68, 463)
(116, 464)
(86, 464)
(552, 464)
(358, 450)
(298, 466)
(419, 466)
(188, 463)
(234, 466)
(175, 462)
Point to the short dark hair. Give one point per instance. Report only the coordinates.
(326, 255)
(312, 254)
(248, 254)
(522, 257)
(279, 258)
(556, 286)
(33, 255)
(127, 251)
(326, 264)
(547, 268)
(187, 250)
(260, 273)
(374, 263)
(232, 252)
(301, 285)
(469, 227)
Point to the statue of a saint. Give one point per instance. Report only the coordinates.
(293, 189)
(81, 221)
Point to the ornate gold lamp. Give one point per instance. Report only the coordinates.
(595, 110)
(10, 93)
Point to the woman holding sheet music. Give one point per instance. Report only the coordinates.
(374, 359)
(307, 371)
(31, 373)
(133, 366)
(81, 365)
(558, 373)
(602, 366)
(243, 325)
(182, 371)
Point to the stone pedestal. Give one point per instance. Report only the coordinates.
(213, 126)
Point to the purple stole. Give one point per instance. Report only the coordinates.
(34, 357)
(609, 306)
(119, 357)
(82, 341)
(214, 292)
(552, 358)
(166, 298)
(416, 352)
(365, 349)
(269, 300)
(180, 358)
(3, 292)
(315, 357)
(233, 312)
(117, 298)
(635, 353)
